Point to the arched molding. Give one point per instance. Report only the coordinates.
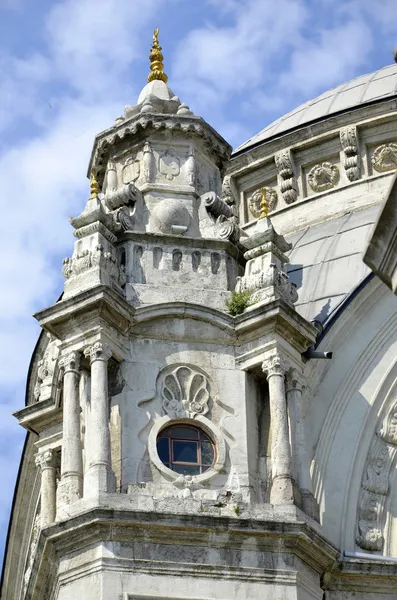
(343, 404)
(184, 310)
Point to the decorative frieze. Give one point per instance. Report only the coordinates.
(323, 176)
(384, 157)
(348, 139)
(185, 393)
(254, 203)
(288, 186)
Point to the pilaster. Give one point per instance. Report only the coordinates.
(46, 461)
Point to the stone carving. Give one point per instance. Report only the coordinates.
(190, 166)
(111, 177)
(131, 170)
(32, 551)
(262, 282)
(227, 191)
(148, 164)
(227, 229)
(45, 459)
(171, 216)
(70, 361)
(215, 206)
(123, 219)
(285, 170)
(375, 484)
(45, 373)
(127, 194)
(169, 164)
(98, 351)
(88, 259)
(384, 157)
(185, 393)
(254, 203)
(348, 138)
(275, 365)
(323, 177)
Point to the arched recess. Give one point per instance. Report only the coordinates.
(347, 401)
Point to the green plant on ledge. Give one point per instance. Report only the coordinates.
(238, 302)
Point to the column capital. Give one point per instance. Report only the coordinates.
(45, 459)
(70, 361)
(295, 380)
(98, 351)
(275, 365)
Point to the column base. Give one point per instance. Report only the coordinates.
(284, 491)
(99, 479)
(310, 505)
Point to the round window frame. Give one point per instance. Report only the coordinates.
(200, 422)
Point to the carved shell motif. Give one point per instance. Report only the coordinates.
(185, 393)
(384, 158)
(323, 177)
(254, 203)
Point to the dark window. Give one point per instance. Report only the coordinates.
(185, 449)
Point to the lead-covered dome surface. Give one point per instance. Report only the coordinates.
(381, 84)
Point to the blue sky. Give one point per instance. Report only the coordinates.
(68, 67)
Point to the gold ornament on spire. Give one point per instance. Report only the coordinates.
(156, 60)
(94, 186)
(264, 204)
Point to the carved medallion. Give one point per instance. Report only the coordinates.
(169, 165)
(185, 393)
(384, 158)
(254, 203)
(131, 170)
(323, 177)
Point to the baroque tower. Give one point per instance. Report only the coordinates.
(166, 456)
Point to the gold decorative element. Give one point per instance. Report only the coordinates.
(94, 186)
(255, 202)
(264, 204)
(156, 60)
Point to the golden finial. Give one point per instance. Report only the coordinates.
(264, 204)
(94, 186)
(156, 60)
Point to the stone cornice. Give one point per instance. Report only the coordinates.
(150, 123)
(296, 536)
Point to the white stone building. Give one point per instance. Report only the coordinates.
(177, 451)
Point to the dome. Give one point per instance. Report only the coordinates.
(366, 89)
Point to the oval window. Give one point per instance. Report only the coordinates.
(185, 449)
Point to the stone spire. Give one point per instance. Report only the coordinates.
(156, 60)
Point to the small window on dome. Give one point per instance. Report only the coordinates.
(185, 449)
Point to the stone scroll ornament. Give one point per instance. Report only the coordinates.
(348, 139)
(375, 484)
(185, 393)
(384, 158)
(285, 170)
(254, 203)
(323, 176)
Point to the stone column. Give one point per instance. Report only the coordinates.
(71, 484)
(282, 491)
(46, 461)
(99, 476)
(294, 386)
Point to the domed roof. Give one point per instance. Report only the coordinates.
(379, 85)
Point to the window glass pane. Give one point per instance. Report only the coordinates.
(186, 469)
(207, 453)
(204, 468)
(184, 451)
(163, 449)
(185, 433)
